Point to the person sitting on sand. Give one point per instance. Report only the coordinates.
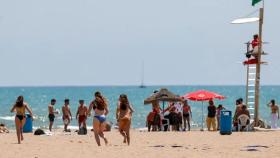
(274, 113)
(239, 104)
(100, 107)
(81, 114)
(218, 115)
(66, 114)
(179, 111)
(187, 114)
(211, 117)
(173, 116)
(3, 128)
(51, 113)
(123, 115)
(244, 111)
(19, 107)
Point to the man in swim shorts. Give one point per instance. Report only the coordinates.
(81, 114)
(52, 113)
(67, 116)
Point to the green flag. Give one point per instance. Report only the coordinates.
(255, 2)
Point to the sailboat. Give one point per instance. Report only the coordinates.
(142, 77)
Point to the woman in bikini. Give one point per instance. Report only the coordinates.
(123, 115)
(100, 107)
(187, 114)
(19, 107)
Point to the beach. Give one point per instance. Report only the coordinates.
(144, 145)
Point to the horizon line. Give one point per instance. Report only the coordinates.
(132, 85)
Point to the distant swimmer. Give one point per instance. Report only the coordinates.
(274, 113)
(100, 107)
(81, 114)
(52, 113)
(66, 114)
(19, 107)
(123, 115)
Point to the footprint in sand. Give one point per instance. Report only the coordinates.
(253, 147)
(176, 146)
(158, 146)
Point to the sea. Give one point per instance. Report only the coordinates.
(39, 97)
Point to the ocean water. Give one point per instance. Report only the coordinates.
(39, 97)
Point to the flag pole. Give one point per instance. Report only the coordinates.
(258, 67)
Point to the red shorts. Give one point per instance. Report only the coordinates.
(82, 118)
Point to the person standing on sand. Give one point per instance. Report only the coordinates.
(274, 113)
(51, 113)
(123, 115)
(187, 114)
(66, 114)
(19, 107)
(211, 118)
(81, 114)
(100, 107)
(218, 115)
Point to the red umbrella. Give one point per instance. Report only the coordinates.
(202, 95)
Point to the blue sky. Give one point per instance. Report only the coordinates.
(92, 42)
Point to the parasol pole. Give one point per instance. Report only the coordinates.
(202, 118)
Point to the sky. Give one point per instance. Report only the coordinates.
(93, 42)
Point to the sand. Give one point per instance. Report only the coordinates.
(144, 145)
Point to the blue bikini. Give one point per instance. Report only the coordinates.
(100, 118)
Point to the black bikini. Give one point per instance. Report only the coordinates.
(20, 117)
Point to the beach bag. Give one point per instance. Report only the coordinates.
(39, 132)
(82, 131)
(108, 126)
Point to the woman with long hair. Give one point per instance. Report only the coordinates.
(100, 107)
(123, 115)
(19, 108)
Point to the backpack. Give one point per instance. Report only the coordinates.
(39, 132)
(82, 131)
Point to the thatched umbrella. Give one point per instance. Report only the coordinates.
(163, 95)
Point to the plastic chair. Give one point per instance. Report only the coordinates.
(165, 124)
(243, 121)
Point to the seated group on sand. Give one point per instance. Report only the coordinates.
(177, 115)
(100, 107)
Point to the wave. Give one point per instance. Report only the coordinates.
(7, 118)
(72, 127)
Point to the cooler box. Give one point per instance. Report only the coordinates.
(225, 122)
(27, 128)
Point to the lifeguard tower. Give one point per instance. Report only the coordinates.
(254, 68)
